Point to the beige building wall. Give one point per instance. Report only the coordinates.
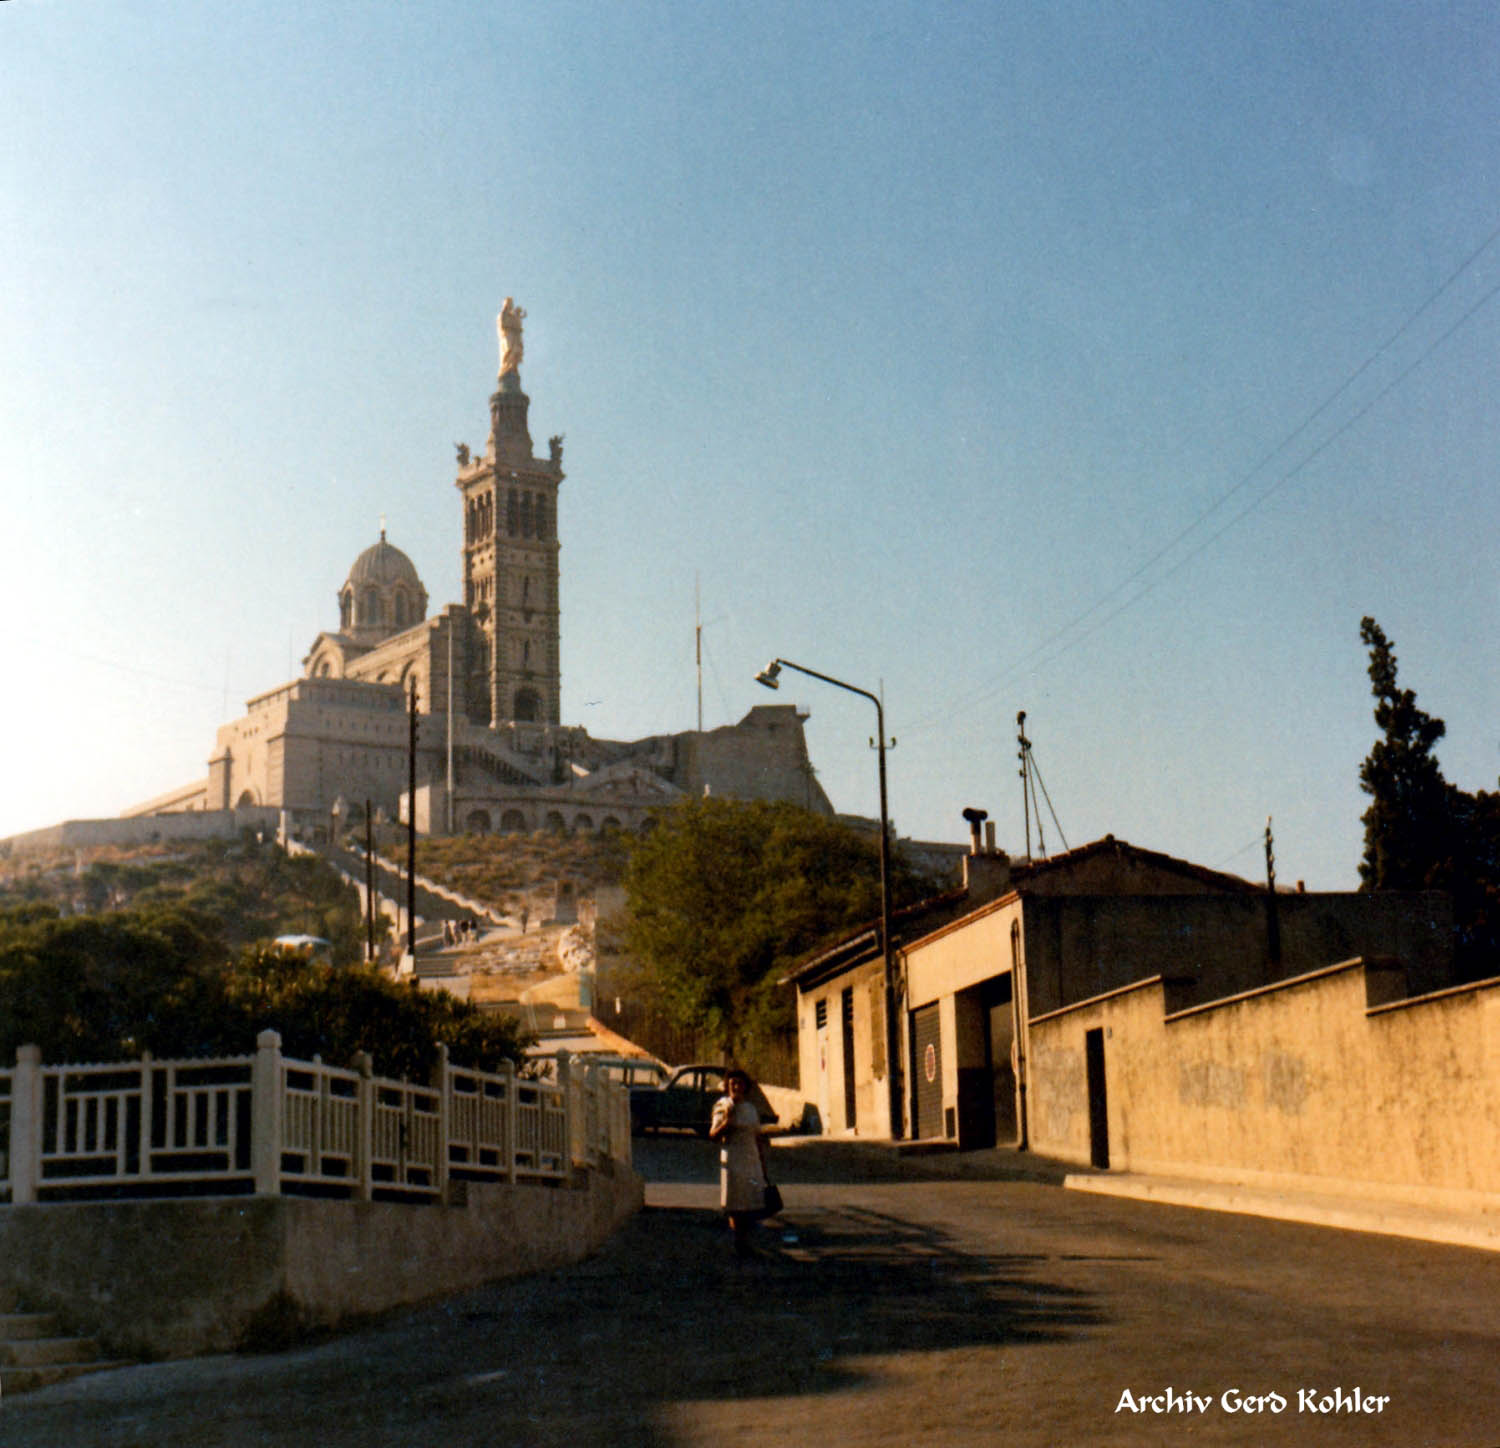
(967, 952)
(306, 743)
(1324, 1081)
(1082, 945)
(1078, 947)
(821, 1054)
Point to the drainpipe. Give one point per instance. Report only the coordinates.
(1018, 1027)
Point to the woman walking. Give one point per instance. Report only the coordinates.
(735, 1125)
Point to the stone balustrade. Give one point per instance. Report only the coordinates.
(271, 1125)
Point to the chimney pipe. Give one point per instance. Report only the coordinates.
(989, 837)
(975, 817)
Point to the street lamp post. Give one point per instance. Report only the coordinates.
(769, 677)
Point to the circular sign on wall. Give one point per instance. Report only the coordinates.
(929, 1063)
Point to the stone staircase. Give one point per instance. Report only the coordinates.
(33, 1354)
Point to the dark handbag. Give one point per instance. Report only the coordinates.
(773, 1199)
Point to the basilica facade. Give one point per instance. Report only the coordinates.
(492, 751)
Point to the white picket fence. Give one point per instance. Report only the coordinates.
(271, 1124)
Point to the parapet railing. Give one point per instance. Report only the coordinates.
(273, 1125)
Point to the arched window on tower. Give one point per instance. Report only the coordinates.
(369, 607)
(346, 608)
(541, 516)
(526, 515)
(512, 513)
(400, 608)
(528, 706)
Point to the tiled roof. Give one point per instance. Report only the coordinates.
(1024, 871)
(936, 911)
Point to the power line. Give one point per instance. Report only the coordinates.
(197, 684)
(1280, 482)
(987, 691)
(1251, 845)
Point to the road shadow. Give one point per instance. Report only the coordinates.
(678, 1158)
(597, 1353)
(669, 1315)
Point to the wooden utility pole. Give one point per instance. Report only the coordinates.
(1273, 915)
(369, 883)
(411, 833)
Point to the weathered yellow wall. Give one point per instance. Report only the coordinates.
(871, 1093)
(1300, 1081)
(952, 960)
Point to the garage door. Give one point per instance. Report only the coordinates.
(927, 1070)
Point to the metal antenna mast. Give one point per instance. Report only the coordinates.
(1031, 781)
(1024, 755)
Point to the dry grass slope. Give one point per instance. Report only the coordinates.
(507, 871)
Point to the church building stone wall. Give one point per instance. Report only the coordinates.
(342, 729)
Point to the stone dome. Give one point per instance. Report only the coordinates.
(384, 563)
(382, 595)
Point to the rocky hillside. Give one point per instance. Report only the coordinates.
(510, 873)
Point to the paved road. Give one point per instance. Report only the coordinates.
(918, 1304)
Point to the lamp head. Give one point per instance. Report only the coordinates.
(768, 675)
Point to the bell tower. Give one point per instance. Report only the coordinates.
(510, 556)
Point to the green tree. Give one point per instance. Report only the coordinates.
(723, 896)
(1421, 832)
(1409, 824)
(159, 978)
(106, 987)
(335, 1011)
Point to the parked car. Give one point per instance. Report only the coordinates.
(635, 1072)
(686, 1101)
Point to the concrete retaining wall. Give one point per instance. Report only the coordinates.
(1334, 1082)
(174, 1278)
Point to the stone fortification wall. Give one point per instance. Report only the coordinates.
(185, 797)
(764, 756)
(176, 1278)
(144, 829)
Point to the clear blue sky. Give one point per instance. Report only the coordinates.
(918, 331)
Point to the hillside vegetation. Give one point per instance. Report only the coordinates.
(503, 871)
(250, 889)
(168, 950)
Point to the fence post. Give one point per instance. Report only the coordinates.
(143, 1146)
(26, 1124)
(364, 1127)
(442, 1084)
(266, 1105)
(319, 1132)
(512, 1120)
(568, 1088)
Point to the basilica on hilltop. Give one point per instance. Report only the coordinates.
(492, 751)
